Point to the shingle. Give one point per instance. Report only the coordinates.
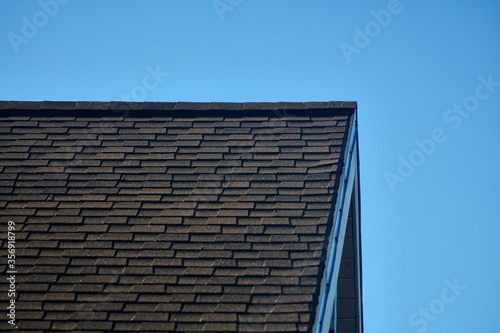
(346, 104)
(190, 327)
(4, 105)
(251, 327)
(291, 105)
(163, 106)
(127, 326)
(157, 326)
(92, 106)
(226, 106)
(191, 106)
(260, 106)
(122, 108)
(18, 105)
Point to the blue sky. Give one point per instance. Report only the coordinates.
(426, 76)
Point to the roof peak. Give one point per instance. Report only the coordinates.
(280, 109)
(99, 105)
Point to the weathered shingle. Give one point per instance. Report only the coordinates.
(170, 216)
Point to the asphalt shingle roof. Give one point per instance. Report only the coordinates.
(169, 216)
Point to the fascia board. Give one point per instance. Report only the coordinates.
(357, 241)
(329, 286)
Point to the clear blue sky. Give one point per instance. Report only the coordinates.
(425, 107)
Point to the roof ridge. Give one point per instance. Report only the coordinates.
(165, 106)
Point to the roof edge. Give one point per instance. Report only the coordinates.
(99, 105)
(120, 108)
(330, 275)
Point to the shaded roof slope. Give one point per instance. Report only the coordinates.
(170, 216)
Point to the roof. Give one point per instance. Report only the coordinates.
(171, 216)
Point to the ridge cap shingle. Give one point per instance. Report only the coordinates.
(165, 106)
